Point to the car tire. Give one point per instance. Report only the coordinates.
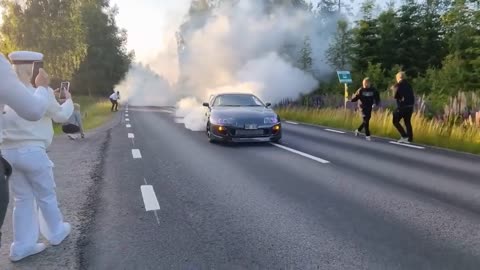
(209, 135)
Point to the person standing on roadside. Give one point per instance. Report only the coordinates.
(32, 182)
(368, 97)
(114, 99)
(30, 105)
(403, 94)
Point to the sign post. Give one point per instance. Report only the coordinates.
(345, 77)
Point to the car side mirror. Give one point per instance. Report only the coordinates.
(205, 104)
(268, 104)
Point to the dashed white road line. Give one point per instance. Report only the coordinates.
(126, 115)
(166, 111)
(131, 135)
(127, 119)
(136, 153)
(335, 131)
(149, 198)
(128, 125)
(408, 145)
(291, 123)
(317, 159)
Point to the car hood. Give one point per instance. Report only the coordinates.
(243, 115)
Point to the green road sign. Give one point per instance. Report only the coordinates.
(344, 76)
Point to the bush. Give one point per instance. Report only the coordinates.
(426, 131)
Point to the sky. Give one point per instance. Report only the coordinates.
(149, 21)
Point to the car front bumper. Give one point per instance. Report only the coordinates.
(235, 134)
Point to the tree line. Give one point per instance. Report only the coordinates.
(436, 42)
(79, 38)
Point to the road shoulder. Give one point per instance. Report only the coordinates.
(78, 170)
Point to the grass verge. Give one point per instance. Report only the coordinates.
(465, 138)
(95, 112)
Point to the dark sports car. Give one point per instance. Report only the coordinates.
(241, 118)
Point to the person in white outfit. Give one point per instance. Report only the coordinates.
(32, 182)
(114, 99)
(28, 105)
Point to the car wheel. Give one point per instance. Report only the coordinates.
(209, 134)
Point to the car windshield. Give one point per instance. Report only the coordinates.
(237, 100)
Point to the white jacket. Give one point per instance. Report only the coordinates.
(18, 132)
(114, 96)
(18, 97)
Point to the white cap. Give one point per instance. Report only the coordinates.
(25, 57)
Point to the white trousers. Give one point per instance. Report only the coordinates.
(33, 189)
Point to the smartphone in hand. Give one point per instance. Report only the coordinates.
(37, 65)
(64, 87)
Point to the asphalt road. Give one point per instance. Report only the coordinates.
(326, 200)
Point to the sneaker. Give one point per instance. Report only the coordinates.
(368, 138)
(403, 140)
(39, 247)
(357, 133)
(67, 228)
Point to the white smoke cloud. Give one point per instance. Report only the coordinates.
(274, 84)
(237, 48)
(144, 87)
(192, 113)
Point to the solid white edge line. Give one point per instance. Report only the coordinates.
(136, 153)
(128, 125)
(408, 145)
(317, 159)
(149, 198)
(291, 123)
(131, 135)
(334, 131)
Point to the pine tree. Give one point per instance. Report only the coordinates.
(306, 60)
(340, 50)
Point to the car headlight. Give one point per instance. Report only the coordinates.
(270, 120)
(223, 121)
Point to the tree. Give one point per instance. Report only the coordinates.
(432, 49)
(409, 45)
(387, 39)
(376, 74)
(339, 52)
(306, 60)
(52, 27)
(365, 39)
(462, 24)
(107, 60)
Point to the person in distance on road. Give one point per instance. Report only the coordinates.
(114, 99)
(368, 97)
(32, 183)
(28, 105)
(403, 94)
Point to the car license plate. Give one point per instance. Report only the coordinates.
(249, 132)
(250, 126)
